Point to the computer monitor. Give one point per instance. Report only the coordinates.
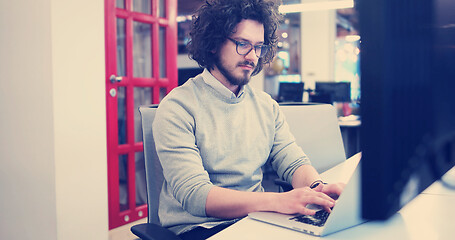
(329, 92)
(290, 92)
(408, 108)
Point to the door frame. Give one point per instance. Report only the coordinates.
(114, 149)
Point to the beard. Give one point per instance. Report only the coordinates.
(239, 81)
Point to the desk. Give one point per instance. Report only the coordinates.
(429, 216)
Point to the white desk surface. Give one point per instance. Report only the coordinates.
(349, 121)
(353, 123)
(431, 215)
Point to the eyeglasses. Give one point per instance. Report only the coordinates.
(243, 48)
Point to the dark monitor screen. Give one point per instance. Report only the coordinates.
(332, 91)
(290, 92)
(407, 84)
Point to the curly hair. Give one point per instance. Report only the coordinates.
(216, 20)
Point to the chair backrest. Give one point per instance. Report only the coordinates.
(316, 130)
(153, 170)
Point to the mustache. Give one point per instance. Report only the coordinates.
(247, 63)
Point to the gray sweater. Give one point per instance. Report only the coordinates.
(205, 137)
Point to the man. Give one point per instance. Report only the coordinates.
(214, 133)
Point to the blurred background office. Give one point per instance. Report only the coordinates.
(317, 59)
(73, 75)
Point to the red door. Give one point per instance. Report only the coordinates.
(141, 68)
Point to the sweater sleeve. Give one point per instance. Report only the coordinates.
(175, 142)
(286, 156)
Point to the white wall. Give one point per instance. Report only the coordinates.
(183, 61)
(78, 64)
(53, 180)
(318, 31)
(27, 171)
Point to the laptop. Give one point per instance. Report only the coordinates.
(345, 214)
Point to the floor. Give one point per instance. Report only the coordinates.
(124, 232)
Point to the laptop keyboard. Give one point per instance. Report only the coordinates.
(317, 219)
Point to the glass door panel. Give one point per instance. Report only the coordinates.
(162, 42)
(121, 47)
(142, 96)
(142, 50)
(121, 116)
(163, 92)
(142, 6)
(141, 190)
(162, 8)
(123, 182)
(120, 3)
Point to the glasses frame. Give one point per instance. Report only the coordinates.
(264, 48)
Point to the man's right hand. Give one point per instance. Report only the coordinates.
(296, 201)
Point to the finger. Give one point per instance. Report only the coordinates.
(318, 188)
(312, 196)
(333, 195)
(325, 202)
(327, 209)
(333, 190)
(326, 197)
(307, 211)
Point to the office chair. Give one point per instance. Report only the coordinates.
(152, 230)
(316, 130)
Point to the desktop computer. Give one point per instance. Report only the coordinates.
(407, 84)
(330, 92)
(290, 92)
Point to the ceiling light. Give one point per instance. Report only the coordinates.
(316, 6)
(352, 38)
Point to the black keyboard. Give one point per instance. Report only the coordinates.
(317, 219)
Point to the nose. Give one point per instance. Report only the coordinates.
(251, 56)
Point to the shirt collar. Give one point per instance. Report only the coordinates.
(210, 80)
